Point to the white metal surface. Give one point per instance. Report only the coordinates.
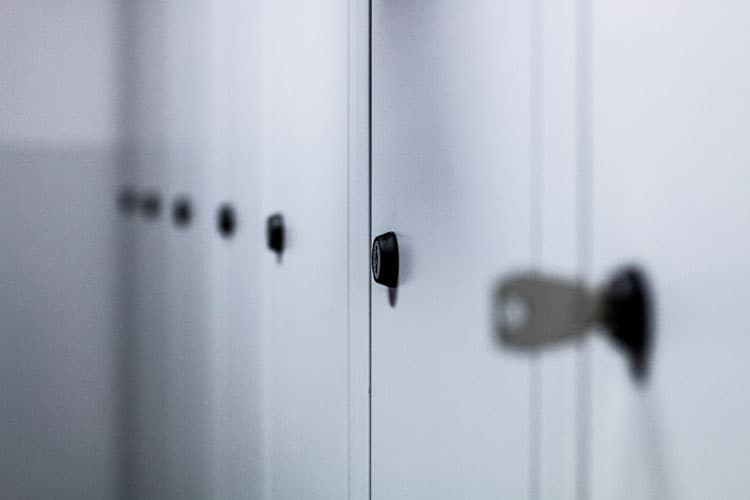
(558, 409)
(305, 164)
(669, 192)
(451, 411)
(236, 287)
(148, 329)
(188, 362)
(358, 179)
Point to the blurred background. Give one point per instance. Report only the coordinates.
(129, 344)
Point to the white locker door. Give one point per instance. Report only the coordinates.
(149, 323)
(144, 123)
(236, 257)
(452, 177)
(671, 148)
(187, 358)
(558, 428)
(305, 168)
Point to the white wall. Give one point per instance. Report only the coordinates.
(58, 254)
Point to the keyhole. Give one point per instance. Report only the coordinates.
(376, 261)
(182, 212)
(226, 221)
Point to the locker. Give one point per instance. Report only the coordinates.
(188, 401)
(165, 120)
(187, 325)
(140, 375)
(236, 252)
(311, 427)
(148, 327)
(455, 176)
(668, 177)
(329, 203)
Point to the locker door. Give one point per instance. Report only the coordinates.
(451, 176)
(148, 444)
(305, 285)
(188, 231)
(557, 392)
(144, 123)
(235, 164)
(669, 192)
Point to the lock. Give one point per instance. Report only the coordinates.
(182, 211)
(385, 260)
(275, 233)
(533, 311)
(127, 200)
(226, 220)
(151, 204)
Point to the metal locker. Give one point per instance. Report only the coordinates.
(166, 50)
(188, 228)
(668, 191)
(233, 213)
(148, 325)
(556, 391)
(456, 130)
(306, 296)
(144, 470)
(659, 186)
(142, 373)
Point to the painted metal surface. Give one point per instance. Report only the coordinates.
(451, 104)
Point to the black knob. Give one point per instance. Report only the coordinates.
(226, 220)
(182, 211)
(275, 233)
(127, 200)
(151, 204)
(627, 316)
(385, 260)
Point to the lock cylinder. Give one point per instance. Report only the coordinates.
(275, 234)
(385, 260)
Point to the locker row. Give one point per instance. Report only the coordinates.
(569, 310)
(494, 251)
(149, 205)
(546, 193)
